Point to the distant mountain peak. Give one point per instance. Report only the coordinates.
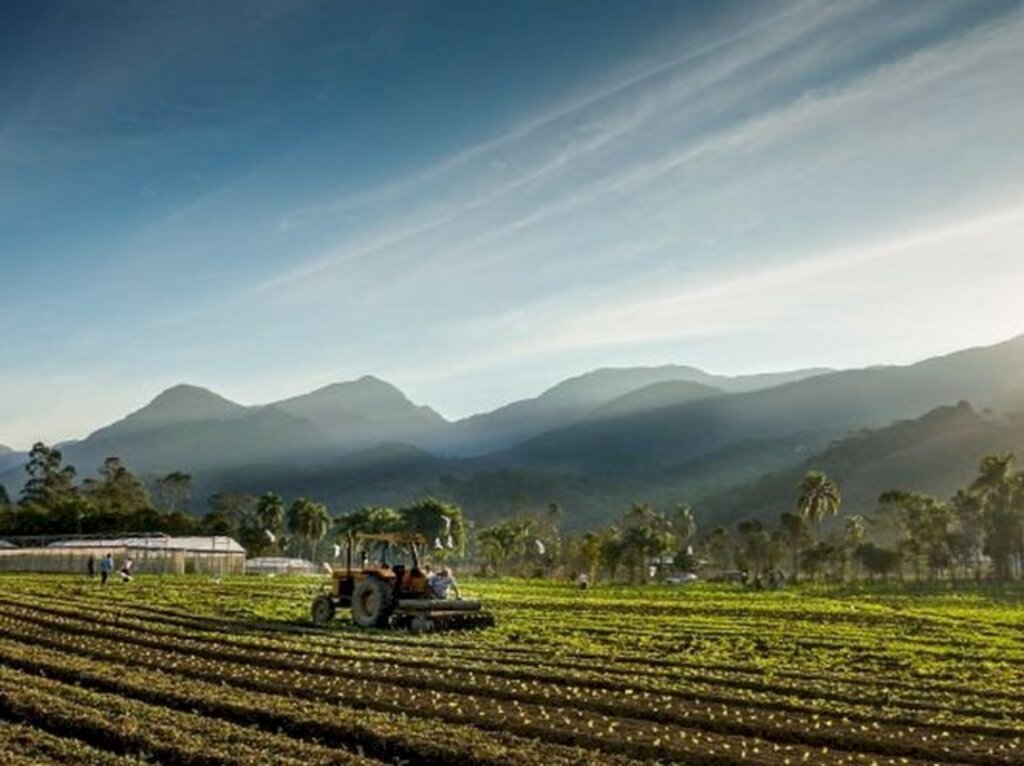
(182, 403)
(184, 391)
(187, 396)
(364, 411)
(365, 384)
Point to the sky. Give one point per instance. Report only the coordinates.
(477, 200)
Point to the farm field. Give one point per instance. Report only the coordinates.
(192, 671)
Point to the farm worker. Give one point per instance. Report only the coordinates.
(126, 571)
(90, 566)
(583, 581)
(106, 567)
(441, 583)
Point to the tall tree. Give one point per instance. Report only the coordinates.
(797, 536)
(755, 548)
(50, 483)
(854, 530)
(1001, 493)
(270, 516)
(922, 523)
(612, 551)
(117, 494)
(174, 491)
(499, 543)
(437, 521)
(970, 543)
(369, 518)
(819, 497)
(309, 522)
(684, 524)
(720, 547)
(646, 537)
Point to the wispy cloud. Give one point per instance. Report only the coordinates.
(685, 203)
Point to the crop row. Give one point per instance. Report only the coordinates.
(132, 727)
(24, 745)
(602, 723)
(387, 737)
(852, 659)
(630, 664)
(535, 684)
(711, 635)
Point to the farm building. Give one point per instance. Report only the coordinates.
(276, 565)
(215, 555)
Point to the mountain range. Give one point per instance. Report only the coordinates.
(733, 446)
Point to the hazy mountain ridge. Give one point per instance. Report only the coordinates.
(665, 441)
(364, 412)
(195, 446)
(576, 398)
(830, 403)
(10, 459)
(182, 403)
(656, 396)
(936, 454)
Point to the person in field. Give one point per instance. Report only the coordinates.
(442, 583)
(90, 566)
(126, 571)
(106, 567)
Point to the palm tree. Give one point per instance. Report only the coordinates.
(270, 514)
(819, 497)
(496, 544)
(308, 521)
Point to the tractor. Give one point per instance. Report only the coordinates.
(389, 589)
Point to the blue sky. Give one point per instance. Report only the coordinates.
(476, 200)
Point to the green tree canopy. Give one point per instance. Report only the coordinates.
(437, 521)
(270, 513)
(117, 492)
(308, 521)
(819, 497)
(50, 483)
(370, 519)
(174, 491)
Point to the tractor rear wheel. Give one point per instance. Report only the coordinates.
(322, 610)
(372, 603)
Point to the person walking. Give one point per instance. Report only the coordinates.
(126, 571)
(90, 566)
(106, 567)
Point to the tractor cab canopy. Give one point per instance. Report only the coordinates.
(385, 549)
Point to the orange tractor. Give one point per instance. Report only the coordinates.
(390, 589)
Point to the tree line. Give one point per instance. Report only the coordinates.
(115, 501)
(978, 532)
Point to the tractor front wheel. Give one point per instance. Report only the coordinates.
(322, 610)
(371, 603)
